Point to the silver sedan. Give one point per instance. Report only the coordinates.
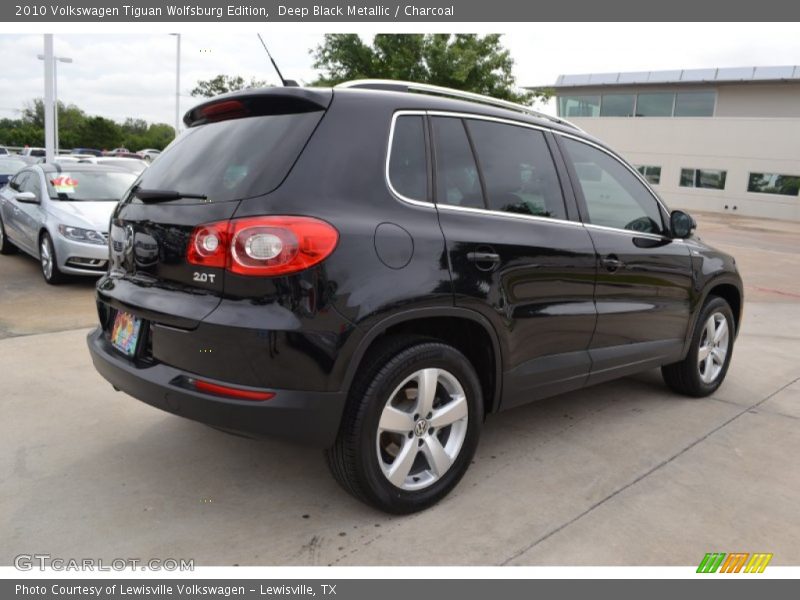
(59, 214)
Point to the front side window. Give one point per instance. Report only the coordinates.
(614, 196)
(18, 180)
(695, 104)
(579, 106)
(772, 183)
(518, 171)
(31, 184)
(408, 170)
(617, 105)
(651, 174)
(457, 180)
(713, 179)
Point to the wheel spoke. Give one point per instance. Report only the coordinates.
(719, 356)
(709, 330)
(709, 362)
(451, 412)
(438, 460)
(426, 390)
(703, 352)
(721, 331)
(395, 420)
(401, 467)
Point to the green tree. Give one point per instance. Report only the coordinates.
(101, 133)
(466, 62)
(222, 84)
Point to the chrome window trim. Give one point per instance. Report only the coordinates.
(631, 232)
(508, 215)
(495, 213)
(398, 195)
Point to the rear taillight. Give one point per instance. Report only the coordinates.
(208, 246)
(263, 246)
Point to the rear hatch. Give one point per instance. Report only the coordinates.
(235, 147)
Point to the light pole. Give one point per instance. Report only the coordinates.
(56, 60)
(177, 83)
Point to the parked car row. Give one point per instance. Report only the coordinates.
(146, 154)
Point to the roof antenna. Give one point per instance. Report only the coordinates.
(285, 82)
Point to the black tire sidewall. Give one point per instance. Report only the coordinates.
(714, 304)
(428, 355)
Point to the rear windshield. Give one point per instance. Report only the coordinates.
(233, 159)
(89, 186)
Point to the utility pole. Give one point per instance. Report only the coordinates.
(49, 128)
(177, 84)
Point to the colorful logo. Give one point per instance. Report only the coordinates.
(736, 562)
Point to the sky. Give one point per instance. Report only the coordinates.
(133, 75)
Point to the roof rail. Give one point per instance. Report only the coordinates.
(393, 85)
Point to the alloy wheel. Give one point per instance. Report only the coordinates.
(422, 428)
(713, 347)
(46, 253)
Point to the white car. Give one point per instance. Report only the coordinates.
(149, 154)
(32, 151)
(59, 213)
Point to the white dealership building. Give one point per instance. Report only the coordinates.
(724, 140)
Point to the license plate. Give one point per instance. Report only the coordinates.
(125, 333)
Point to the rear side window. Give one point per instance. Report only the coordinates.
(408, 170)
(518, 171)
(457, 180)
(232, 159)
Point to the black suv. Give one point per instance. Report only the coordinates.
(374, 268)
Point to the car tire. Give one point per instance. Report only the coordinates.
(424, 443)
(6, 247)
(706, 363)
(48, 260)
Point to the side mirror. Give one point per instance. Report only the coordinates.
(26, 197)
(682, 224)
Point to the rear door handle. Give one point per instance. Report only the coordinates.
(485, 260)
(612, 263)
(477, 257)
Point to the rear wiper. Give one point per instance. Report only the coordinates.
(164, 195)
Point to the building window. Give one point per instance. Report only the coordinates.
(617, 105)
(772, 183)
(650, 173)
(656, 104)
(703, 178)
(579, 106)
(694, 104)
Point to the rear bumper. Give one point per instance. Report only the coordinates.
(310, 418)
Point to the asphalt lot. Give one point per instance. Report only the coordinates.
(625, 473)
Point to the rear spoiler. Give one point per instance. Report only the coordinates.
(260, 101)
